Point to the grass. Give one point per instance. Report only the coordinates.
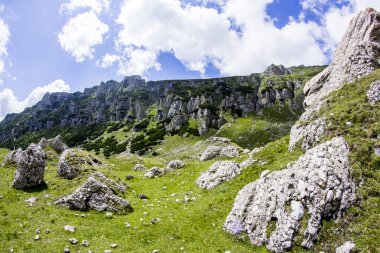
(196, 225)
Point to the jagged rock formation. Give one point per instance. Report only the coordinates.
(72, 162)
(11, 158)
(97, 193)
(357, 55)
(220, 147)
(30, 167)
(277, 70)
(175, 103)
(218, 173)
(55, 143)
(373, 93)
(308, 135)
(319, 183)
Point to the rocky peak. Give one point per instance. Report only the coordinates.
(276, 70)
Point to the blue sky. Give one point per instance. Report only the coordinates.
(63, 45)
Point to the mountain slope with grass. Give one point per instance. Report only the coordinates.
(308, 183)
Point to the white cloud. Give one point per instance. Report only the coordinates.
(4, 38)
(95, 5)
(198, 36)
(81, 34)
(9, 103)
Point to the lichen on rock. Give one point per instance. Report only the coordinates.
(319, 183)
(220, 147)
(72, 162)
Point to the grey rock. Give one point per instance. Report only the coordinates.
(373, 94)
(304, 185)
(175, 164)
(218, 172)
(30, 168)
(153, 172)
(31, 201)
(129, 177)
(37, 237)
(276, 70)
(55, 143)
(73, 241)
(72, 162)
(247, 163)
(69, 228)
(113, 245)
(357, 55)
(308, 135)
(143, 196)
(347, 247)
(97, 193)
(139, 167)
(85, 243)
(66, 250)
(11, 158)
(220, 147)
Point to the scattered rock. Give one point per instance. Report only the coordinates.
(373, 94)
(127, 225)
(11, 158)
(73, 241)
(37, 237)
(176, 164)
(129, 177)
(155, 171)
(377, 151)
(66, 250)
(98, 193)
(30, 168)
(308, 135)
(108, 251)
(247, 163)
(156, 251)
(305, 184)
(55, 143)
(38, 231)
(109, 215)
(31, 201)
(73, 162)
(218, 173)
(70, 228)
(139, 167)
(155, 220)
(347, 247)
(113, 245)
(85, 243)
(220, 147)
(47, 231)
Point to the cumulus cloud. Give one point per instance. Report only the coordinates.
(9, 103)
(81, 34)
(4, 38)
(199, 36)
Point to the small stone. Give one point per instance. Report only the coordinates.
(83, 215)
(108, 251)
(37, 237)
(66, 250)
(348, 123)
(47, 231)
(38, 231)
(129, 177)
(73, 241)
(70, 228)
(31, 201)
(347, 247)
(127, 225)
(109, 215)
(113, 245)
(85, 243)
(143, 196)
(155, 220)
(156, 251)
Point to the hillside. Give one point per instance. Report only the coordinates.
(286, 160)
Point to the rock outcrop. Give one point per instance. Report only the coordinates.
(318, 183)
(97, 193)
(139, 167)
(30, 167)
(11, 158)
(373, 93)
(56, 143)
(156, 171)
(72, 162)
(218, 173)
(220, 147)
(357, 55)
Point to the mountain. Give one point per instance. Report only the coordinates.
(174, 103)
(283, 161)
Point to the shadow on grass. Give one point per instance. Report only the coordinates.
(39, 188)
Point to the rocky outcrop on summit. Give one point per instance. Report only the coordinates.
(72, 162)
(319, 183)
(277, 70)
(358, 55)
(97, 193)
(220, 147)
(373, 93)
(55, 143)
(11, 158)
(30, 167)
(218, 173)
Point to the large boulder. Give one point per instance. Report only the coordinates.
(11, 158)
(319, 183)
(30, 167)
(357, 55)
(347, 247)
(72, 162)
(153, 172)
(56, 143)
(97, 193)
(219, 172)
(220, 147)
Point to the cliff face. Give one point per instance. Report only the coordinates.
(174, 102)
